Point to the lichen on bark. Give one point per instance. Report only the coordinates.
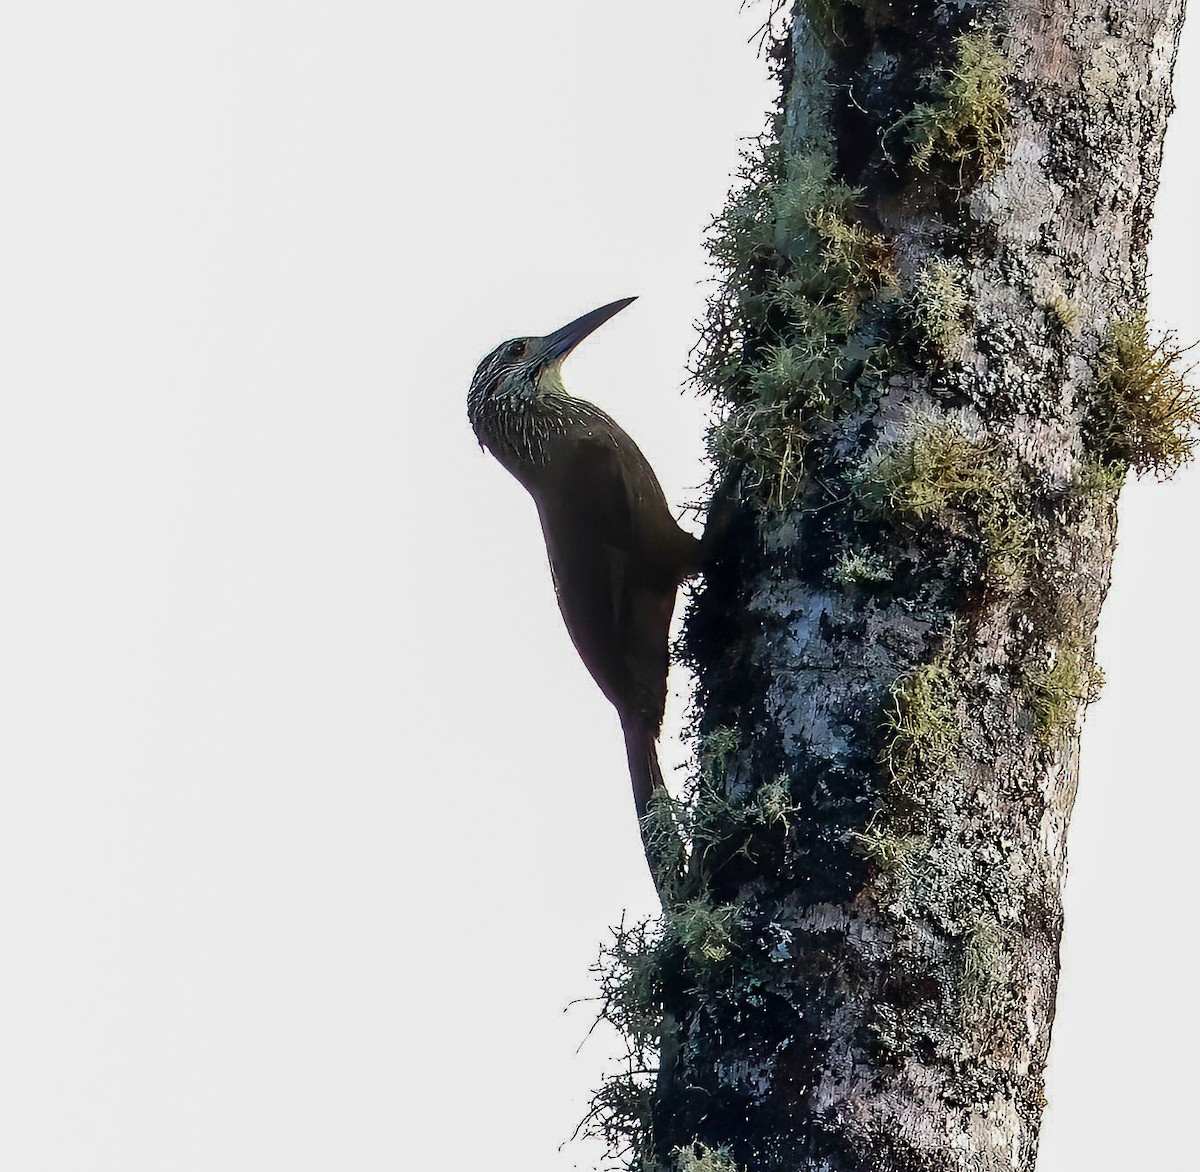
(913, 350)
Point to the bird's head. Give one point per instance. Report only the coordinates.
(523, 372)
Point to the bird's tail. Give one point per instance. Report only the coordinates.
(644, 770)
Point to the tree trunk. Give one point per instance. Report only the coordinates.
(930, 353)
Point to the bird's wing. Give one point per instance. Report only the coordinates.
(588, 517)
(614, 551)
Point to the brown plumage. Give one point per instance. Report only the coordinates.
(616, 554)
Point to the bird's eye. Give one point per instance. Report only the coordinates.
(516, 349)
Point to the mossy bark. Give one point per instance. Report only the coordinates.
(885, 993)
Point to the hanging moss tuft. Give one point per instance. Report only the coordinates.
(965, 120)
(789, 340)
(701, 1158)
(931, 472)
(1060, 686)
(939, 306)
(1146, 415)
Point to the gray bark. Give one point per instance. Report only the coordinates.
(879, 991)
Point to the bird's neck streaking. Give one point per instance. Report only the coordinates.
(518, 430)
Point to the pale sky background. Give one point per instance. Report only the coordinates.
(311, 821)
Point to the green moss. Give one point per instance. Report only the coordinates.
(933, 473)
(800, 219)
(745, 828)
(696, 942)
(1096, 478)
(853, 568)
(831, 261)
(769, 441)
(986, 973)
(855, 263)
(679, 833)
(927, 471)
(940, 304)
(1063, 311)
(1147, 415)
(743, 234)
(629, 978)
(783, 346)
(716, 750)
(966, 119)
(629, 975)
(773, 804)
(664, 830)
(890, 852)
(701, 1158)
(704, 930)
(741, 826)
(921, 729)
(1058, 688)
(621, 1114)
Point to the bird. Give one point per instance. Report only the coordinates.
(617, 555)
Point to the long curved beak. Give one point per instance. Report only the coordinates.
(558, 345)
